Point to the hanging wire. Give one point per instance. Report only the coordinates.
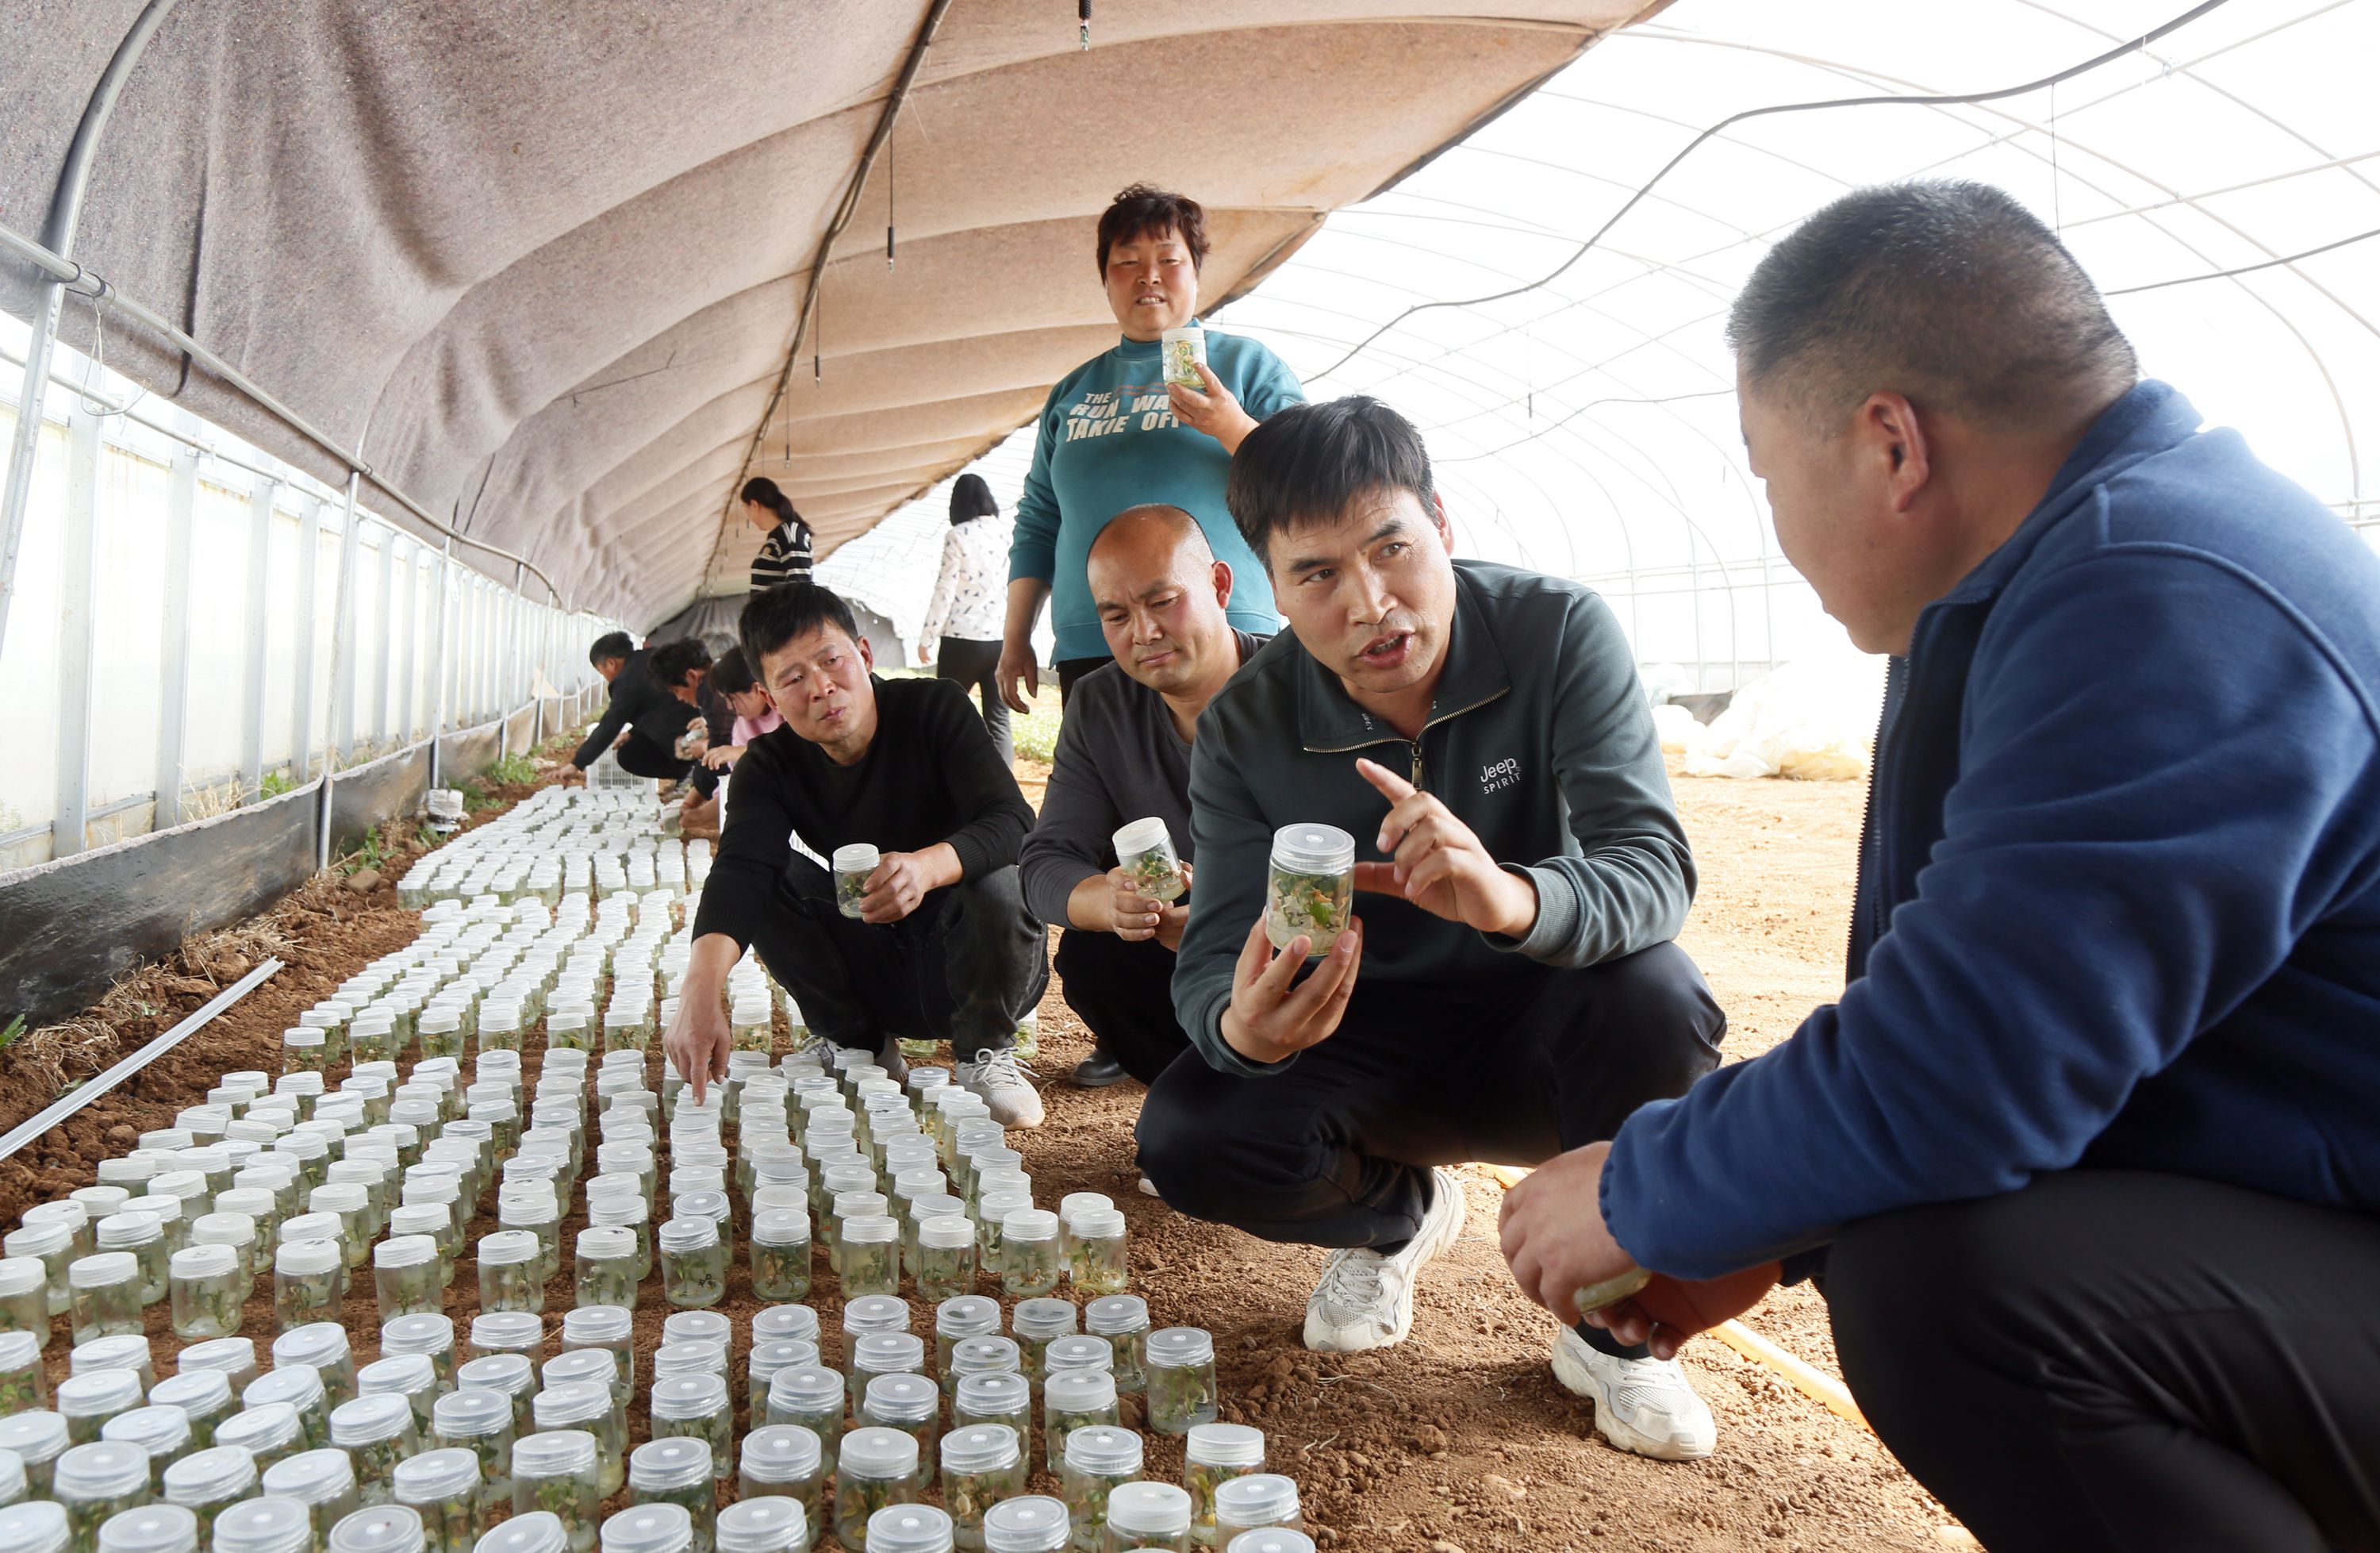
(100, 409)
(892, 181)
(1085, 9)
(1878, 100)
(2244, 269)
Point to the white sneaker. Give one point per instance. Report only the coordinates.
(1641, 1405)
(1009, 1095)
(1364, 1299)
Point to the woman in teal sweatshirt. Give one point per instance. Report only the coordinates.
(1112, 436)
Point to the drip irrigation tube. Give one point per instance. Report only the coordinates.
(67, 1105)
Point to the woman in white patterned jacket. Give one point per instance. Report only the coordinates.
(970, 602)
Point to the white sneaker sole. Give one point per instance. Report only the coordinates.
(1576, 1379)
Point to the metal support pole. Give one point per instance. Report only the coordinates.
(260, 550)
(412, 642)
(438, 664)
(309, 564)
(174, 634)
(49, 292)
(77, 633)
(385, 627)
(339, 736)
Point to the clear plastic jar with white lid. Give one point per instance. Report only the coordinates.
(443, 1487)
(874, 1468)
(538, 1530)
(677, 1473)
(309, 1280)
(303, 1389)
(24, 1384)
(509, 1376)
(106, 1293)
(781, 1255)
(409, 1375)
(509, 1275)
(87, 1402)
(1028, 1523)
(508, 1332)
(1122, 1319)
(427, 1333)
(235, 1358)
(694, 1263)
(264, 1524)
(35, 1526)
(1097, 1462)
(1096, 1252)
(52, 1246)
(228, 1227)
(122, 1352)
(1271, 1539)
(143, 1235)
(1310, 887)
(481, 1422)
(378, 1431)
(35, 1437)
(811, 1397)
(854, 862)
(323, 1481)
(784, 1459)
(1036, 1323)
(1147, 1515)
(95, 1482)
(153, 1528)
(160, 1432)
(761, 1364)
(981, 1466)
(1259, 1499)
(389, 1528)
(1073, 1400)
(910, 1528)
(1214, 1454)
(323, 1345)
(557, 1471)
(699, 1407)
(202, 1397)
(25, 1296)
(208, 1481)
(763, 1525)
(1181, 1371)
(1144, 850)
(998, 1396)
(268, 1432)
(209, 1292)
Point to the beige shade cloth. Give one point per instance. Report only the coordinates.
(545, 261)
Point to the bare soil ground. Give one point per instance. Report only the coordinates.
(1459, 1442)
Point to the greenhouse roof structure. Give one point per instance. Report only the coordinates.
(567, 274)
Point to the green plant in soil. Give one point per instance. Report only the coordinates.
(512, 771)
(12, 1031)
(275, 783)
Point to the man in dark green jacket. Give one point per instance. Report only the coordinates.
(1509, 988)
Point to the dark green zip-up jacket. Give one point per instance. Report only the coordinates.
(1538, 739)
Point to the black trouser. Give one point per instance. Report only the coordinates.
(976, 664)
(1335, 1149)
(2110, 1360)
(1124, 993)
(641, 757)
(965, 966)
(1070, 669)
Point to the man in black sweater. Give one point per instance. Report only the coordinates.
(941, 946)
(642, 707)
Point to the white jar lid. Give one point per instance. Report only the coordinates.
(1142, 836)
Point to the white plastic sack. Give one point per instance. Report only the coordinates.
(1813, 719)
(1664, 681)
(1677, 727)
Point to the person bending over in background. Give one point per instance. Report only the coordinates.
(2085, 1158)
(785, 551)
(961, 636)
(644, 718)
(732, 681)
(1123, 754)
(943, 947)
(683, 669)
(1511, 989)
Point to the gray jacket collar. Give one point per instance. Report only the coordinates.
(1328, 719)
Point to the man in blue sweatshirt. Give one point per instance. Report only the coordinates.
(2087, 1155)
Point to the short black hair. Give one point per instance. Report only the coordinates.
(731, 672)
(971, 498)
(611, 644)
(775, 616)
(1305, 465)
(1143, 210)
(1947, 291)
(673, 661)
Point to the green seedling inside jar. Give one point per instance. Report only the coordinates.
(1094, 1253)
(308, 1278)
(871, 1257)
(1145, 852)
(1310, 889)
(694, 1264)
(853, 865)
(781, 1255)
(1180, 1374)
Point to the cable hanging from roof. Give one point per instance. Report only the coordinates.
(1878, 100)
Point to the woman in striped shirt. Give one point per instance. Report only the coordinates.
(786, 554)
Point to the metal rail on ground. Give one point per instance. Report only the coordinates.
(67, 1105)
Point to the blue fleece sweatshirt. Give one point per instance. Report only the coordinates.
(2119, 889)
(1107, 440)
